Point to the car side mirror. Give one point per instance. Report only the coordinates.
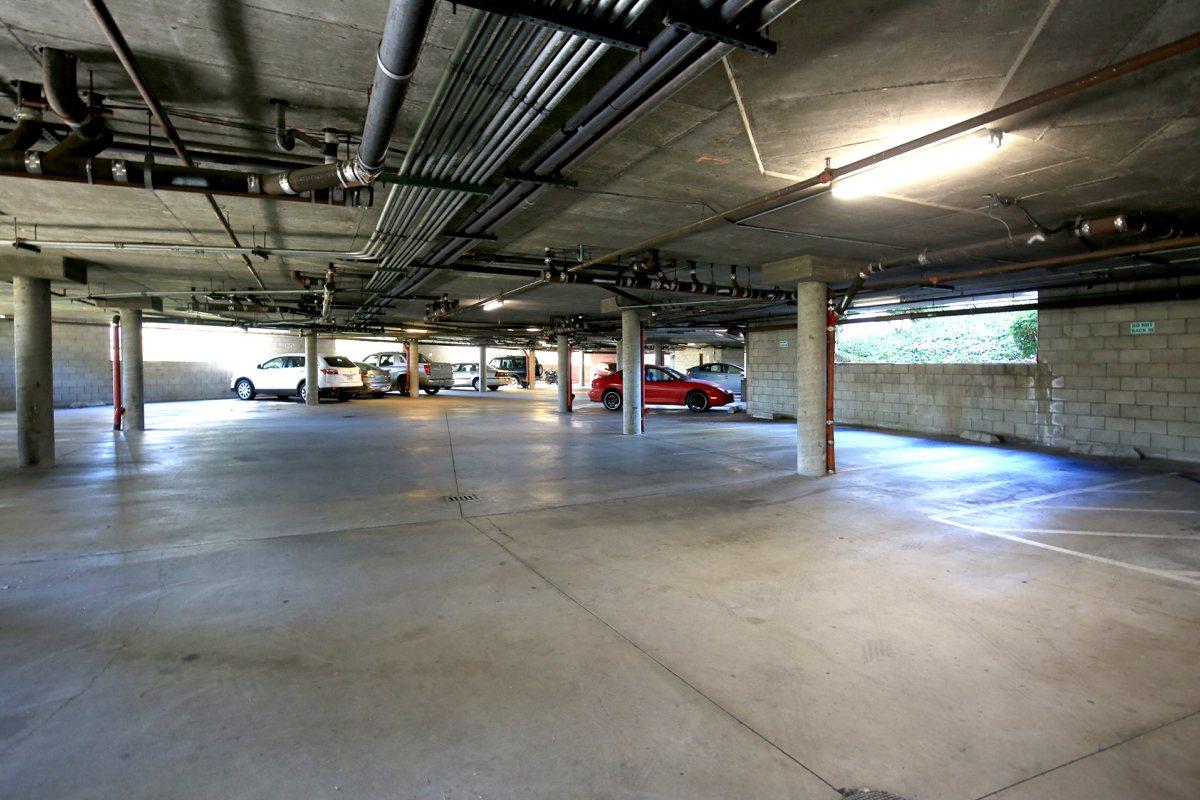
(258, 366)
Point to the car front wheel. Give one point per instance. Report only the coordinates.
(244, 389)
(611, 400)
(697, 401)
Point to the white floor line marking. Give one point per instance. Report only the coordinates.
(1194, 538)
(1053, 495)
(1161, 573)
(1139, 510)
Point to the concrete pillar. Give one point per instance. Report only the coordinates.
(414, 368)
(133, 389)
(34, 372)
(530, 369)
(312, 375)
(658, 355)
(810, 378)
(483, 368)
(631, 375)
(583, 377)
(564, 376)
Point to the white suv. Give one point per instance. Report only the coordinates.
(284, 376)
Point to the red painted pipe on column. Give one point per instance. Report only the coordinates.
(831, 322)
(114, 341)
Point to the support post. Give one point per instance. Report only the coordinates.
(583, 381)
(413, 366)
(530, 370)
(114, 355)
(34, 372)
(564, 375)
(483, 368)
(312, 375)
(811, 323)
(658, 355)
(133, 388)
(631, 373)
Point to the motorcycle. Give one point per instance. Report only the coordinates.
(550, 376)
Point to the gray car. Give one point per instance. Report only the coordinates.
(435, 375)
(727, 376)
(376, 382)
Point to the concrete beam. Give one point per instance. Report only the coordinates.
(50, 268)
(132, 303)
(809, 268)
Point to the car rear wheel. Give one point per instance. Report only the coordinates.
(344, 396)
(378, 395)
(302, 391)
(475, 384)
(494, 388)
(244, 389)
(611, 400)
(432, 389)
(697, 401)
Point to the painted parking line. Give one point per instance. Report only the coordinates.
(1189, 577)
(1174, 575)
(1194, 538)
(1123, 508)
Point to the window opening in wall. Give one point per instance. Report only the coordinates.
(1005, 337)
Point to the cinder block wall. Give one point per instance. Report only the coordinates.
(1111, 387)
(1097, 387)
(83, 371)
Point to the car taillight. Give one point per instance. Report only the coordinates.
(426, 368)
(328, 371)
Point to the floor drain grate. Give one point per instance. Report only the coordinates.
(868, 794)
(459, 498)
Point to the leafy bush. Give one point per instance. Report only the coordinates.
(1004, 337)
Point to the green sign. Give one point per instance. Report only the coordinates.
(1141, 327)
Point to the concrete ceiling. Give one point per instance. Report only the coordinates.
(850, 77)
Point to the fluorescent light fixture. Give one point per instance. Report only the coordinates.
(929, 162)
(416, 330)
(492, 305)
(876, 301)
(533, 330)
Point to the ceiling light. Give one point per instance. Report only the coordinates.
(492, 305)
(876, 301)
(928, 162)
(533, 330)
(416, 330)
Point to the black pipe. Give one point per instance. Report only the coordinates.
(395, 61)
(60, 85)
(25, 135)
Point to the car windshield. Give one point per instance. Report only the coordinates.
(338, 361)
(675, 374)
(422, 359)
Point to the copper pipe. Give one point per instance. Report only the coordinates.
(819, 184)
(124, 53)
(1044, 263)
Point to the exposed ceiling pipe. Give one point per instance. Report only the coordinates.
(26, 133)
(124, 53)
(395, 62)
(89, 132)
(1180, 243)
(821, 182)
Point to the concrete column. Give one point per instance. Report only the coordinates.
(483, 368)
(34, 372)
(810, 378)
(312, 375)
(583, 378)
(414, 368)
(564, 376)
(631, 375)
(658, 355)
(530, 369)
(133, 389)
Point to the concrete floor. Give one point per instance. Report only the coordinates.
(259, 600)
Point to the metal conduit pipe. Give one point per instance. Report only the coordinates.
(625, 98)
(493, 123)
(26, 133)
(395, 62)
(652, 283)
(820, 183)
(89, 132)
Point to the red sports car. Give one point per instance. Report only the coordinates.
(663, 386)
